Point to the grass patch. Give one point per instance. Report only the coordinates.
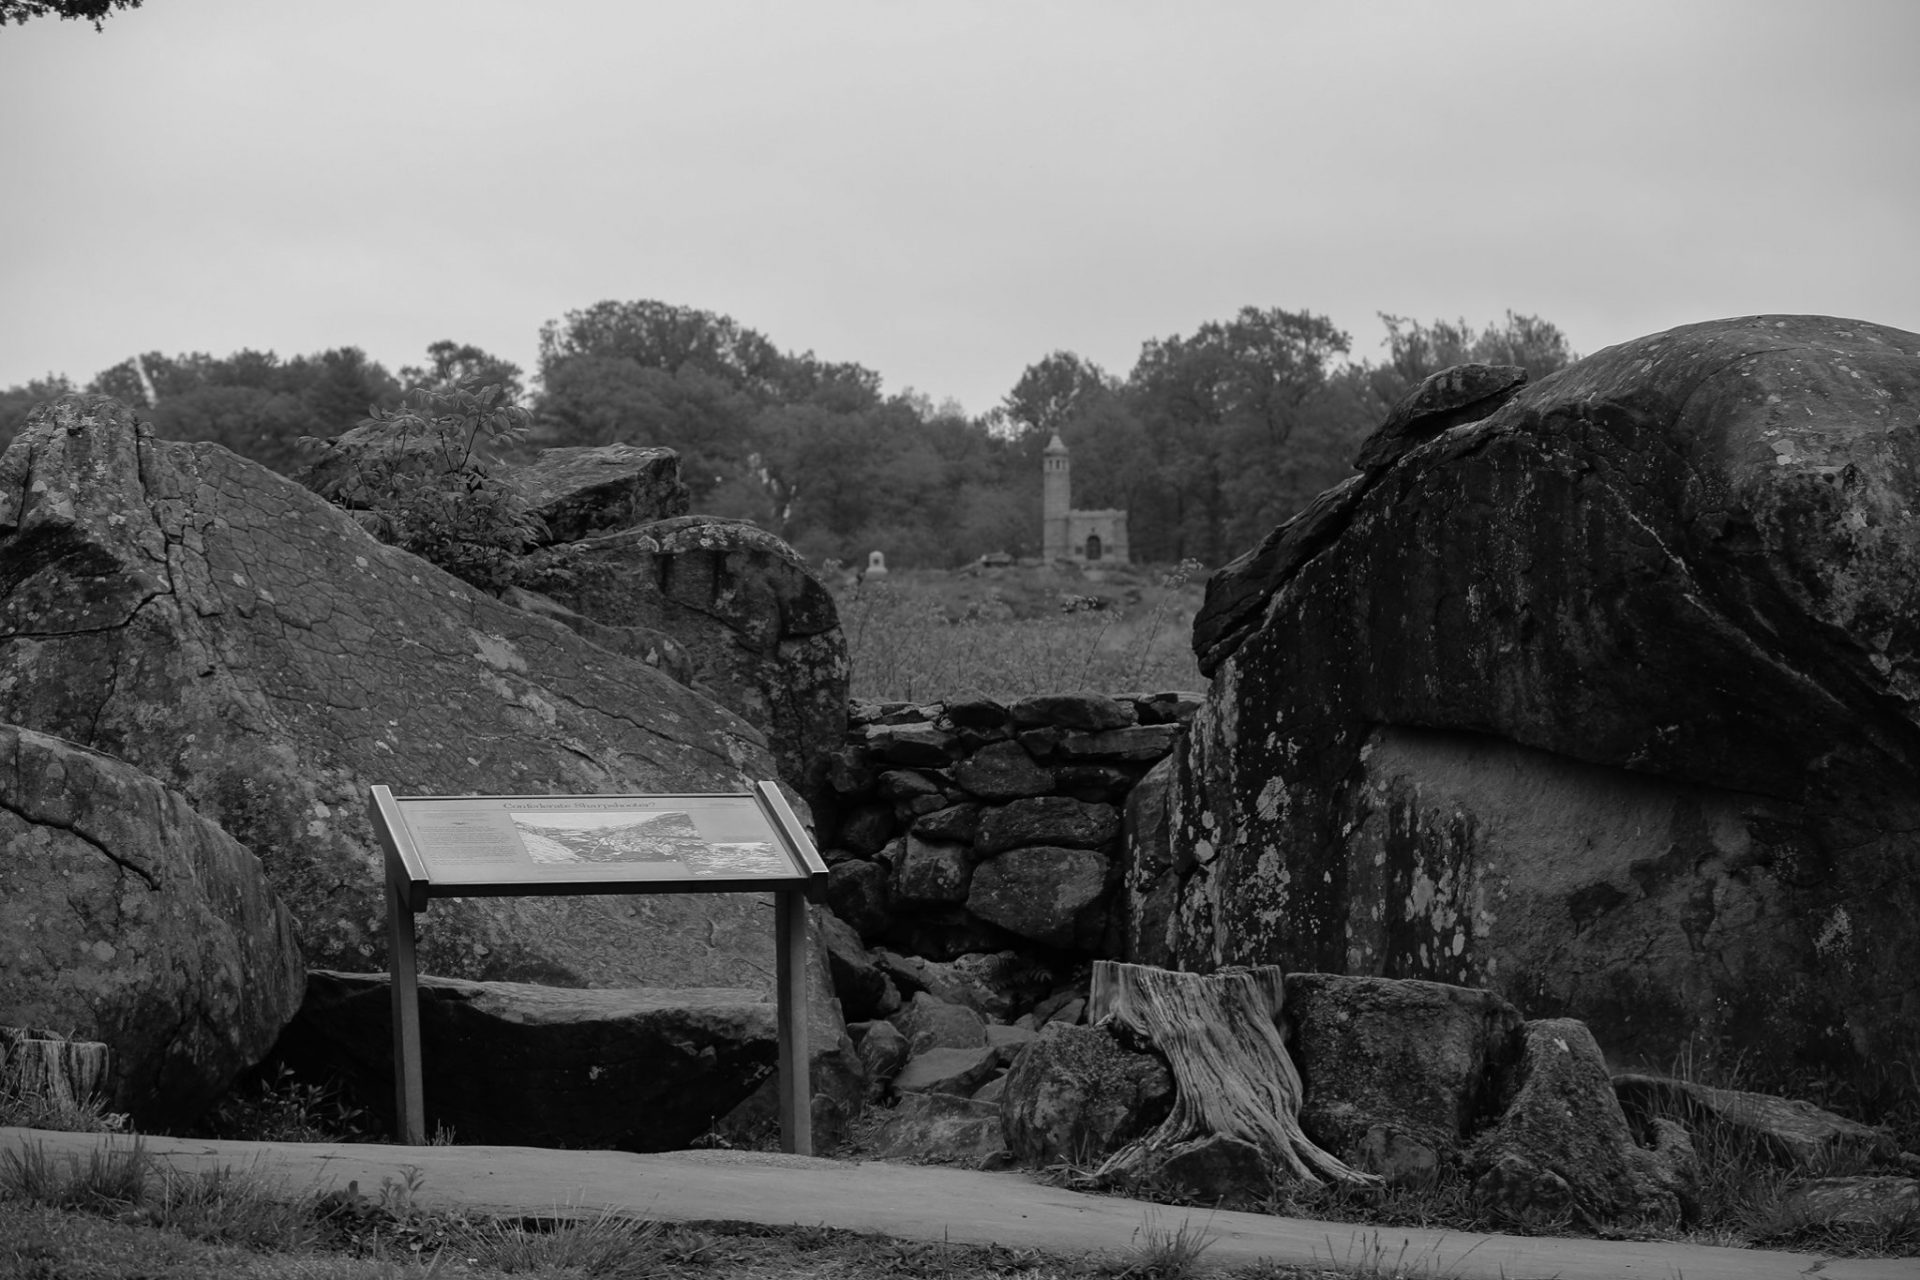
(111, 1177)
(922, 636)
(1161, 1252)
(23, 1111)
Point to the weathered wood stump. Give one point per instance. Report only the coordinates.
(1232, 1074)
(46, 1068)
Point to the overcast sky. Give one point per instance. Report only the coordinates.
(943, 192)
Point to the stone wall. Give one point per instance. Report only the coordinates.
(975, 826)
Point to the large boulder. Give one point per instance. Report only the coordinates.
(1562, 1147)
(629, 1069)
(230, 633)
(1046, 894)
(1077, 1093)
(1608, 701)
(762, 631)
(128, 919)
(1396, 1074)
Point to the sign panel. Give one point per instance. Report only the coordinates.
(529, 846)
(616, 840)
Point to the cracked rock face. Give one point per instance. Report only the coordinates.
(230, 633)
(1609, 701)
(127, 918)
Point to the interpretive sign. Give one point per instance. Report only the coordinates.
(538, 846)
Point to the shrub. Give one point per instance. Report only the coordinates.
(429, 477)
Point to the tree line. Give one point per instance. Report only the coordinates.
(1211, 439)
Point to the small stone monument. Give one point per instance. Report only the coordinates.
(876, 564)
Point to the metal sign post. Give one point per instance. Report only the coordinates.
(541, 846)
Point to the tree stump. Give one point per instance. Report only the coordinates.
(45, 1068)
(1220, 1034)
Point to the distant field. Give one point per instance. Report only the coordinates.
(922, 635)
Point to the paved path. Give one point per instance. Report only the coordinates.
(929, 1203)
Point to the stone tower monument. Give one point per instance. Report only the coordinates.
(1056, 497)
(1084, 537)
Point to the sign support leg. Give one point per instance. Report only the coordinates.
(796, 1089)
(409, 1107)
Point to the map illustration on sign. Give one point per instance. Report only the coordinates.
(491, 840)
(667, 836)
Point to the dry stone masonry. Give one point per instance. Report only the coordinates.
(972, 826)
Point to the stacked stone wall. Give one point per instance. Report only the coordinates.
(973, 825)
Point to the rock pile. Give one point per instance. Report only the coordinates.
(1418, 1081)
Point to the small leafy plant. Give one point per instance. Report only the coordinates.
(280, 1107)
(429, 477)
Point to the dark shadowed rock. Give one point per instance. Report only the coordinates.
(1450, 398)
(1077, 1094)
(1055, 820)
(989, 983)
(1387, 1065)
(1562, 1144)
(975, 712)
(867, 829)
(1094, 783)
(946, 932)
(1213, 1169)
(883, 1050)
(762, 629)
(626, 1068)
(1042, 893)
(128, 919)
(860, 893)
(1002, 771)
(1170, 707)
(932, 872)
(1606, 702)
(863, 990)
(1084, 711)
(229, 632)
(582, 492)
(1138, 743)
(1009, 1042)
(1792, 1132)
(955, 822)
(916, 744)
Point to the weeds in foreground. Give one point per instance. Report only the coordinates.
(603, 1244)
(111, 1177)
(280, 1107)
(1366, 1257)
(1167, 1253)
(29, 1111)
